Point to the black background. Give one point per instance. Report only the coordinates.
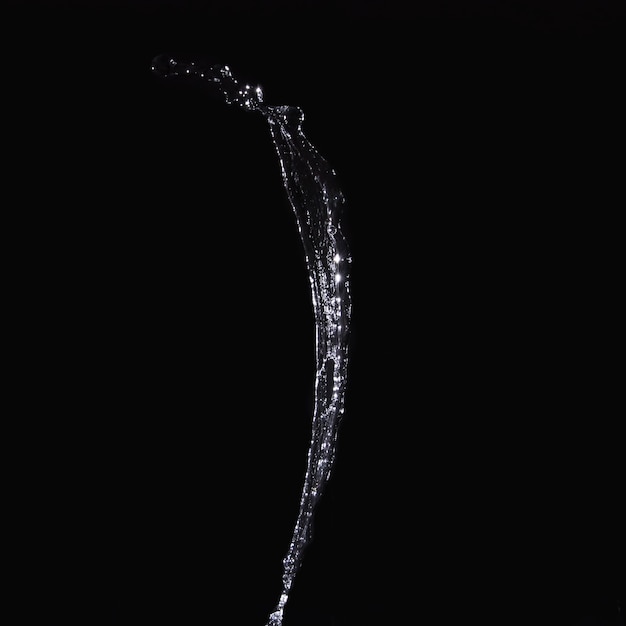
(164, 368)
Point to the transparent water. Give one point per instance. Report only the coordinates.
(317, 202)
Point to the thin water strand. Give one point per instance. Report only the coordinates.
(317, 201)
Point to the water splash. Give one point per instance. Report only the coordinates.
(317, 202)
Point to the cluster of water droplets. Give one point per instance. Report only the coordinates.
(317, 202)
(246, 96)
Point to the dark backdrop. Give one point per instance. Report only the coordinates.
(165, 339)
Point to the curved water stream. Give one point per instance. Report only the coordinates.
(317, 202)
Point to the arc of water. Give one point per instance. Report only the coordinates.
(317, 202)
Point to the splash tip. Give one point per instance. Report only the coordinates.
(163, 65)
